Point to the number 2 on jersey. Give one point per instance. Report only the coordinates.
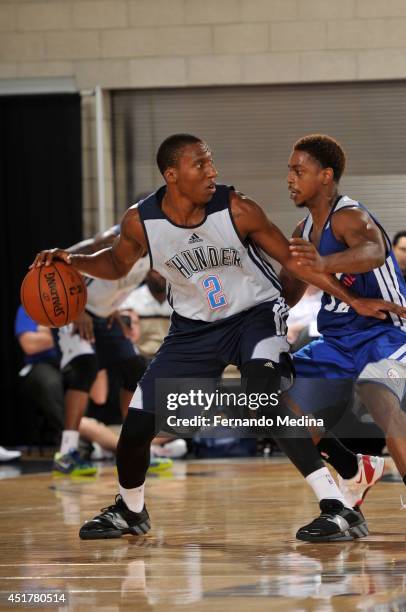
(215, 295)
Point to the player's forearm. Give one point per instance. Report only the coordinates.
(101, 265)
(355, 260)
(292, 288)
(325, 282)
(36, 342)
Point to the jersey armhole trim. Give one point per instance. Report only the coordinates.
(244, 244)
(147, 241)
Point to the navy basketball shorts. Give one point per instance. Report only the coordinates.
(111, 346)
(327, 368)
(199, 351)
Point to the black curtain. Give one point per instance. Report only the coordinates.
(41, 207)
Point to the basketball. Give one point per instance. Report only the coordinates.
(53, 295)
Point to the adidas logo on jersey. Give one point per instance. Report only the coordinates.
(194, 238)
(269, 364)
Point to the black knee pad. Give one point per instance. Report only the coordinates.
(267, 376)
(139, 427)
(80, 373)
(130, 371)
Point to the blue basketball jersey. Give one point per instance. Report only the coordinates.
(337, 318)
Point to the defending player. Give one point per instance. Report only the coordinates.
(341, 237)
(209, 242)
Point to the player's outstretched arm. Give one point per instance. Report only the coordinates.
(355, 228)
(111, 263)
(251, 222)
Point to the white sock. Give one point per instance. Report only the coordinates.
(70, 440)
(134, 498)
(324, 486)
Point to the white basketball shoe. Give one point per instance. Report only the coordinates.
(370, 470)
(6, 455)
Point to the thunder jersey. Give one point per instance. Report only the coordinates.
(211, 274)
(336, 318)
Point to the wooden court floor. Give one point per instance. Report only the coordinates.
(222, 539)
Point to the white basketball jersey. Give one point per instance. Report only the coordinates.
(211, 274)
(106, 296)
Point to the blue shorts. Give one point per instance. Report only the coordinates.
(336, 363)
(200, 350)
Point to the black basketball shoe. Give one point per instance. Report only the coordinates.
(115, 521)
(336, 522)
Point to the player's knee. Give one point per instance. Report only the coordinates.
(131, 371)
(139, 428)
(81, 372)
(267, 376)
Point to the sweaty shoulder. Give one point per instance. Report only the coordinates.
(247, 215)
(351, 218)
(242, 206)
(131, 225)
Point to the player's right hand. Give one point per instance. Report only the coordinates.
(44, 258)
(368, 307)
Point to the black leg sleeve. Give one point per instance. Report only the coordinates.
(133, 449)
(297, 444)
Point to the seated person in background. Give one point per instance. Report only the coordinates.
(43, 382)
(40, 378)
(302, 319)
(399, 250)
(150, 314)
(96, 340)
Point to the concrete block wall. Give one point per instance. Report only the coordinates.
(162, 43)
(143, 43)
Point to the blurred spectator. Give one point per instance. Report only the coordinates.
(399, 248)
(42, 383)
(96, 340)
(150, 312)
(41, 380)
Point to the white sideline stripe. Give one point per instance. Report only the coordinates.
(385, 293)
(398, 353)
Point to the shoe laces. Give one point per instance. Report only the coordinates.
(113, 507)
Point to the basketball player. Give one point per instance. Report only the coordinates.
(210, 243)
(341, 237)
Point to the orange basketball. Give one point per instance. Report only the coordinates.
(53, 295)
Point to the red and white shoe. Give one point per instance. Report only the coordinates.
(370, 470)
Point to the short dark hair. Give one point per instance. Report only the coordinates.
(327, 151)
(398, 236)
(171, 148)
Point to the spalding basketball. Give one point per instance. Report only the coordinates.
(53, 295)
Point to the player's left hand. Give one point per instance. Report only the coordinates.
(368, 307)
(306, 254)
